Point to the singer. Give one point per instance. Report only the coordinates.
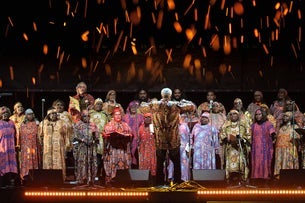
(84, 149)
(117, 137)
(208, 104)
(81, 101)
(53, 137)
(110, 103)
(147, 147)
(165, 118)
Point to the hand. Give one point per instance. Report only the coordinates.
(17, 148)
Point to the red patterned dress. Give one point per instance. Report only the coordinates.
(29, 150)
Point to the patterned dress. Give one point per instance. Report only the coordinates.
(84, 151)
(236, 156)
(30, 147)
(262, 149)
(8, 162)
(134, 121)
(184, 132)
(217, 120)
(147, 150)
(100, 119)
(206, 141)
(286, 153)
(55, 142)
(117, 136)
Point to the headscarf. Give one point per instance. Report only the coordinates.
(238, 100)
(116, 109)
(205, 114)
(147, 115)
(98, 100)
(109, 93)
(234, 111)
(51, 111)
(28, 111)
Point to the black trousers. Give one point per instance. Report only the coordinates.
(174, 155)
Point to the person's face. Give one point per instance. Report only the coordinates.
(289, 105)
(211, 96)
(30, 116)
(233, 117)
(19, 109)
(238, 105)
(81, 89)
(117, 116)
(177, 94)
(286, 118)
(257, 97)
(5, 116)
(59, 107)
(112, 96)
(166, 97)
(258, 116)
(204, 120)
(281, 95)
(142, 95)
(133, 109)
(85, 117)
(147, 120)
(98, 106)
(53, 116)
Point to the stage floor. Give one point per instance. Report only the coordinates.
(185, 192)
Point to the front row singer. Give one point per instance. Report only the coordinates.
(166, 118)
(84, 149)
(117, 137)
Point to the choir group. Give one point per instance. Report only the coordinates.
(169, 137)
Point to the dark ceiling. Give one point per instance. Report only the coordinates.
(42, 46)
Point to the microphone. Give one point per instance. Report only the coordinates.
(211, 104)
(43, 100)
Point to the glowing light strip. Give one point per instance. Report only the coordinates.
(251, 192)
(81, 194)
(118, 194)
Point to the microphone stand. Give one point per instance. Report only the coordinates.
(42, 131)
(242, 156)
(293, 135)
(189, 124)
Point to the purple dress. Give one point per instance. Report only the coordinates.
(206, 142)
(8, 162)
(262, 149)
